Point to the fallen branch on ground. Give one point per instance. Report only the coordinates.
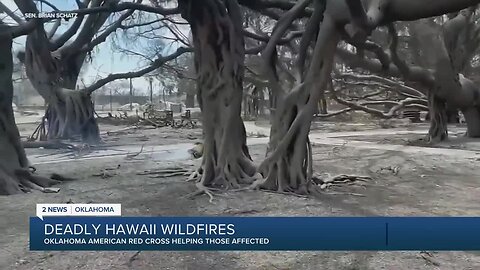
(48, 145)
(427, 256)
(341, 179)
(165, 173)
(132, 156)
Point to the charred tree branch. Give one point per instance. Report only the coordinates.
(155, 65)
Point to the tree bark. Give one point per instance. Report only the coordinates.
(219, 63)
(438, 119)
(70, 113)
(14, 174)
(288, 165)
(323, 108)
(444, 79)
(452, 115)
(450, 85)
(190, 100)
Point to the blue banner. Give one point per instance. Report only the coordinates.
(255, 233)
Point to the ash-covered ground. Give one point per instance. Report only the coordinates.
(408, 179)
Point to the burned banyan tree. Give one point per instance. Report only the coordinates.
(442, 50)
(219, 49)
(219, 63)
(16, 175)
(53, 67)
(288, 163)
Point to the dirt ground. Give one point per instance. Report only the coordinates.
(406, 180)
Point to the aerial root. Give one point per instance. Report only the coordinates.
(43, 181)
(258, 181)
(32, 185)
(28, 181)
(195, 175)
(223, 175)
(202, 189)
(39, 133)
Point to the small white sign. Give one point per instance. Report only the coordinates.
(82, 209)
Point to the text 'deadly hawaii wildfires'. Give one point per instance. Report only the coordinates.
(253, 233)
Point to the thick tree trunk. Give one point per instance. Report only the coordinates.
(272, 105)
(190, 100)
(323, 108)
(472, 117)
(70, 113)
(288, 165)
(245, 105)
(444, 81)
(438, 119)
(452, 114)
(261, 103)
(255, 102)
(451, 86)
(452, 52)
(54, 76)
(219, 59)
(14, 174)
(470, 106)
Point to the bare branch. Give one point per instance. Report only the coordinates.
(49, 4)
(54, 29)
(83, 4)
(310, 32)
(334, 113)
(180, 37)
(104, 35)
(260, 5)
(67, 34)
(402, 66)
(23, 29)
(382, 56)
(11, 14)
(116, 7)
(282, 41)
(155, 64)
(269, 54)
(73, 28)
(90, 27)
(282, 25)
(411, 10)
(393, 112)
(418, 74)
(125, 27)
(402, 89)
